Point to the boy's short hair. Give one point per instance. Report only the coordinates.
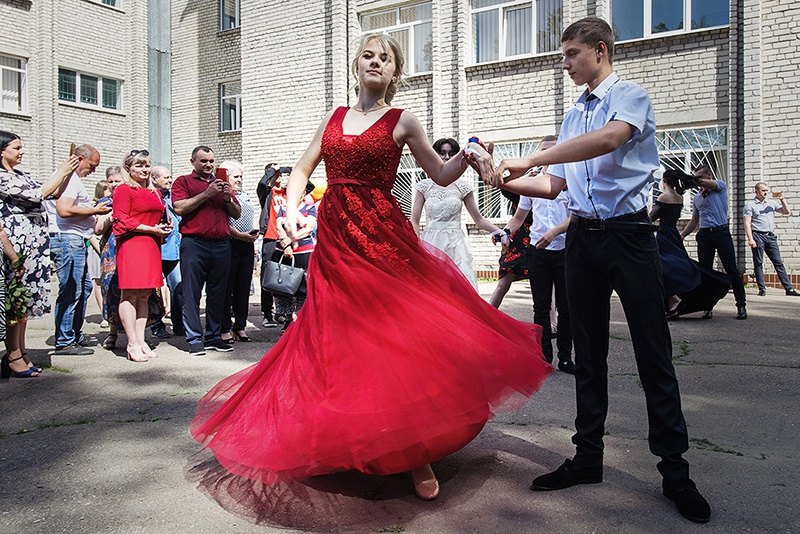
(591, 31)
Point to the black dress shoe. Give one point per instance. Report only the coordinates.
(566, 476)
(792, 293)
(161, 332)
(690, 503)
(708, 314)
(566, 366)
(742, 312)
(762, 292)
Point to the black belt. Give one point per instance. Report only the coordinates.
(616, 224)
(716, 228)
(762, 232)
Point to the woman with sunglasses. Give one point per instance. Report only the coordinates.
(139, 229)
(443, 227)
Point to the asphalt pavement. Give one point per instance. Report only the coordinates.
(101, 444)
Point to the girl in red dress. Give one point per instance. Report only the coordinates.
(139, 229)
(394, 361)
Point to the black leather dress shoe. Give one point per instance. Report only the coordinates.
(708, 314)
(762, 292)
(690, 503)
(792, 293)
(741, 313)
(566, 366)
(566, 476)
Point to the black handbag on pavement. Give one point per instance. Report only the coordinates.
(282, 279)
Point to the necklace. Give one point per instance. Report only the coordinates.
(370, 110)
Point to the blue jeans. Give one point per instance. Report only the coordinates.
(68, 253)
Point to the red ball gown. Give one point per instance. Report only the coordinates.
(393, 362)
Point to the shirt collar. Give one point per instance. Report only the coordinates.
(755, 199)
(602, 89)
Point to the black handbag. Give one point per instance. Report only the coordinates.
(282, 279)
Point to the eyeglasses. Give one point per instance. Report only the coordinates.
(142, 152)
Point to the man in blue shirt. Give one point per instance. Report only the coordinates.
(606, 155)
(710, 212)
(170, 256)
(759, 225)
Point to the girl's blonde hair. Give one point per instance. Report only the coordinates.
(136, 156)
(389, 44)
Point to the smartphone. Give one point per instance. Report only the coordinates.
(254, 231)
(72, 149)
(776, 194)
(222, 174)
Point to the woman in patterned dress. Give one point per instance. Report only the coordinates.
(443, 214)
(23, 218)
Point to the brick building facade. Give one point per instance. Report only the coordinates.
(252, 79)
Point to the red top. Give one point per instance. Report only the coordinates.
(210, 220)
(138, 254)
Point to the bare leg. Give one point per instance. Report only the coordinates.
(128, 315)
(503, 285)
(13, 334)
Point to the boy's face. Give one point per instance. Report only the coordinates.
(581, 61)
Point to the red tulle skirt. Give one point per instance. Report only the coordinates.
(393, 362)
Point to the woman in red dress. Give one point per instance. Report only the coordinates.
(394, 361)
(139, 229)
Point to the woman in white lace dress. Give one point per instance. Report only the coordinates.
(443, 227)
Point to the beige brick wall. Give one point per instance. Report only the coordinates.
(107, 42)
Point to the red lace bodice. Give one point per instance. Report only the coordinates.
(371, 158)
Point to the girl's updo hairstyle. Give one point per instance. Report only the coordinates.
(389, 44)
(679, 180)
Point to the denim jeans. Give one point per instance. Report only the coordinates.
(68, 253)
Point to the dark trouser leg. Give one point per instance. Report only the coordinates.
(589, 294)
(774, 255)
(637, 280)
(758, 261)
(540, 275)
(267, 249)
(195, 261)
(240, 290)
(216, 286)
(226, 322)
(564, 336)
(727, 256)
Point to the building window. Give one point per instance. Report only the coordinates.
(230, 106)
(503, 29)
(14, 88)
(89, 90)
(229, 14)
(411, 26)
(112, 3)
(689, 148)
(636, 19)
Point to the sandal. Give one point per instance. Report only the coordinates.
(7, 372)
(242, 336)
(110, 342)
(132, 356)
(32, 367)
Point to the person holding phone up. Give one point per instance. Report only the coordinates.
(243, 235)
(759, 225)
